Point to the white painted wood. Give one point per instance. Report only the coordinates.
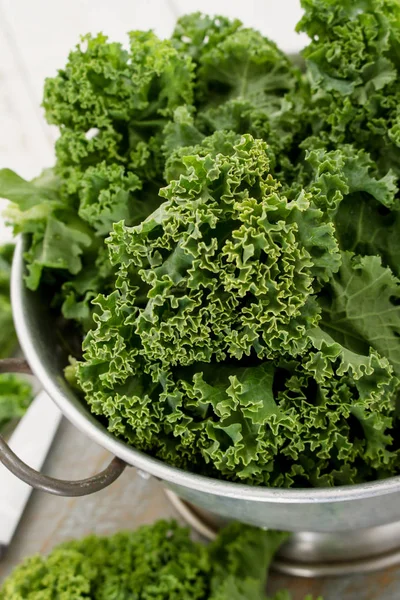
(35, 39)
(23, 143)
(274, 18)
(31, 441)
(24, 146)
(46, 30)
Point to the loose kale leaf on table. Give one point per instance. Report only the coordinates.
(155, 561)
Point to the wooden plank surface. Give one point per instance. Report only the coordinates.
(24, 145)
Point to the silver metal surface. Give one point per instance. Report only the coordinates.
(318, 510)
(308, 554)
(206, 527)
(31, 439)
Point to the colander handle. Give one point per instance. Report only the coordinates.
(44, 483)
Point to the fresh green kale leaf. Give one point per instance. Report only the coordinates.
(352, 65)
(8, 338)
(15, 394)
(225, 255)
(197, 33)
(15, 397)
(107, 195)
(247, 66)
(59, 237)
(155, 561)
(111, 104)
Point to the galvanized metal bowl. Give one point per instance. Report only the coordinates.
(323, 510)
(326, 509)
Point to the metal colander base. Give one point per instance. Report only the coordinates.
(311, 554)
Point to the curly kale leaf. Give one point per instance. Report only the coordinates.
(237, 115)
(245, 422)
(111, 104)
(244, 84)
(346, 171)
(182, 131)
(365, 228)
(15, 394)
(347, 41)
(197, 33)
(247, 66)
(58, 237)
(346, 186)
(166, 363)
(228, 262)
(109, 194)
(264, 425)
(63, 254)
(155, 561)
(352, 65)
(246, 554)
(8, 338)
(15, 397)
(245, 79)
